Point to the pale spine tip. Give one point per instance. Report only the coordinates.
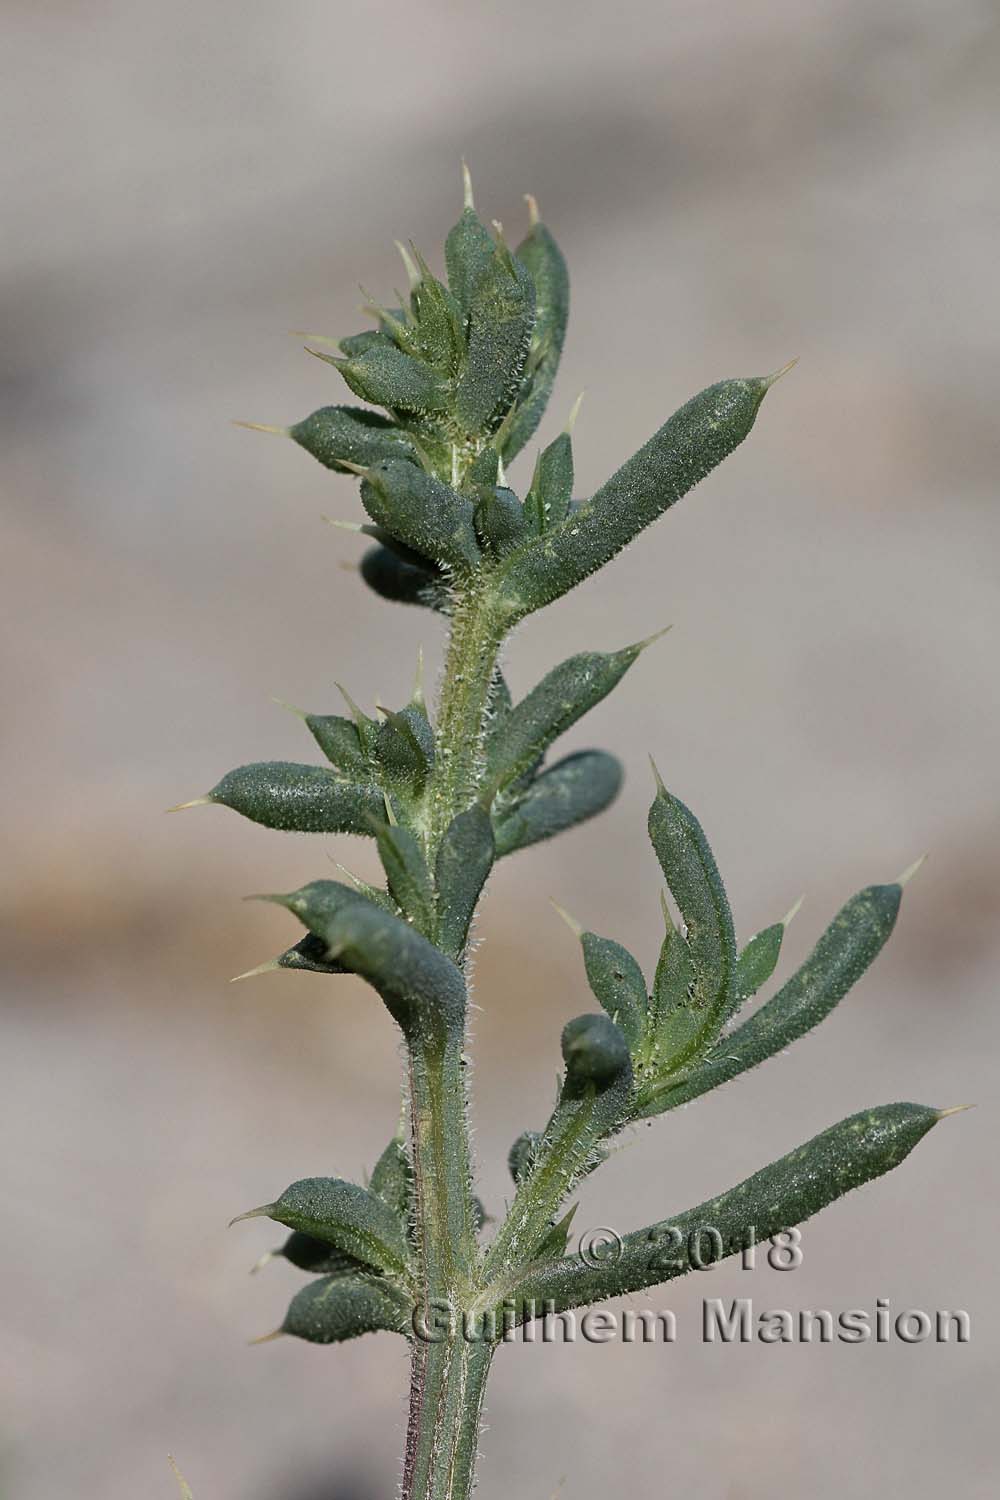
(534, 217)
(412, 270)
(265, 968)
(956, 1109)
(792, 912)
(253, 1213)
(910, 871)
(262, 427)
(182, 1484)
(768, 380)
(267, 1338)
(390, 815)
(342, 525)
(328, 359)
(195, 802)
(665, 909)
(574, 412)
(299, 713)
(657, 777)
(259, 1265)
(571, 922)
(467, 198)
(649, 641)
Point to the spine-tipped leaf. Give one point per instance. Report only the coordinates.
(400, 583)
(423, 512)
(540, 254)
(298, 798)
(685, 450)
(407, 875)
(342, 436)
(346, 1216)
(422, 988)
(618, 984)
(694, 881)
(777, 1198)
(757, 961)
(562, 697)
(501, 316)
(387, 377)
(547, 502)
(336, 1308)
(464, 861)
(849, 946)
(574, 789)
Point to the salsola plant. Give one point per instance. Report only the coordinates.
(463, 369)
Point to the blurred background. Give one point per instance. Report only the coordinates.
(733, 184)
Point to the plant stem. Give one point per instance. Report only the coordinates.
(447, 1384)
(478, 627)
(449, 1371)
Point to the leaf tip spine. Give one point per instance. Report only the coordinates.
(574, 926)
(768, 380)
(792, 913)
(909, 872)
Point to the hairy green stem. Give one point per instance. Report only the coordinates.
(447, 1385)
(448, 1376)
(478, 627)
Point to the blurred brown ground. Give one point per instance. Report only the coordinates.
(733, 184)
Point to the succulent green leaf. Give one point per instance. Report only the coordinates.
(501, 316)
(484, 468)
(336, 1308)
(757, 961)
(439, 331)
(404, 746)
(847, 948)
(422, 988)
(340, 742)
(618, 984)
(694, 881)
(392, 1179)
(407, 874)
(464, 861)
(400, 583)
(307, 1253)
(499, 520)
(346, 1216)
(423, 512)
(356, 344)
(685, 450)
(562, 697)
(544, 261)
(468, 254)
(387, 377)
(576, 788)
(554, 1242)
(522, 1155)
(777, 1198)
(673, 983)
(309, 953)
(547, 501)
(298, 798)
(339, 436)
